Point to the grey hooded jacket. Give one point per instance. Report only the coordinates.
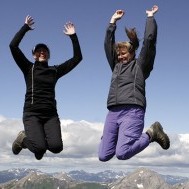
(128, 80)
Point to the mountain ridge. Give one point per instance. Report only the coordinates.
(140, 178)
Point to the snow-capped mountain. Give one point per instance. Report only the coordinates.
(174, 179)
(142, 179)
(107, 176)
(11, 174)
(38, 180)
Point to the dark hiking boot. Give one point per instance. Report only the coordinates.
(157, 134)
(17, 145)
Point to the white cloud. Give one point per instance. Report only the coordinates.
(81, 140)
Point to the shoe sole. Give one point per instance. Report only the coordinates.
(17, 151)
(159, 128)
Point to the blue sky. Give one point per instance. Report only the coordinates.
(82, 94)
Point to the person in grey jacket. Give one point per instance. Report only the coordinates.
(123, 129)
(42, 129)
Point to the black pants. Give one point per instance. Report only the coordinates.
(42, 133)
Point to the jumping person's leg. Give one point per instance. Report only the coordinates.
(109, 139)
(35, 137)
(131, 140)
(53, 135)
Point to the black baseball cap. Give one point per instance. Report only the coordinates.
(40, 45)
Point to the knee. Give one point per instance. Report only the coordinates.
(123, 155)
(104, 158)
(39, 156)
(56, 147)
(40, 149)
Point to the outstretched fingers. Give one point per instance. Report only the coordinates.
(29, 21)
(69, 28)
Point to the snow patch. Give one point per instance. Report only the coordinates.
(140, 186)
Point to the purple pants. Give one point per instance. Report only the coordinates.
(122, 134)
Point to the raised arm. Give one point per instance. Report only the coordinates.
(64, 68)
(109, 41)
(17, 54)
(147, 55)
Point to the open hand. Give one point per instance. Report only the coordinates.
(69, 28)
(29, 21)
(117, 15)
(152, 11)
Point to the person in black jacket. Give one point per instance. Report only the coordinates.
(42, 129)
(123, 130)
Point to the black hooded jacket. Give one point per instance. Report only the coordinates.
(41, 78)
(128, 80)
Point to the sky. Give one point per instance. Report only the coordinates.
(81, 95)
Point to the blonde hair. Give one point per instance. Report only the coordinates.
(127, 46)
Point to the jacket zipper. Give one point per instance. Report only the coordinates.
(32, 85)
(135, 84)
(119, 70)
